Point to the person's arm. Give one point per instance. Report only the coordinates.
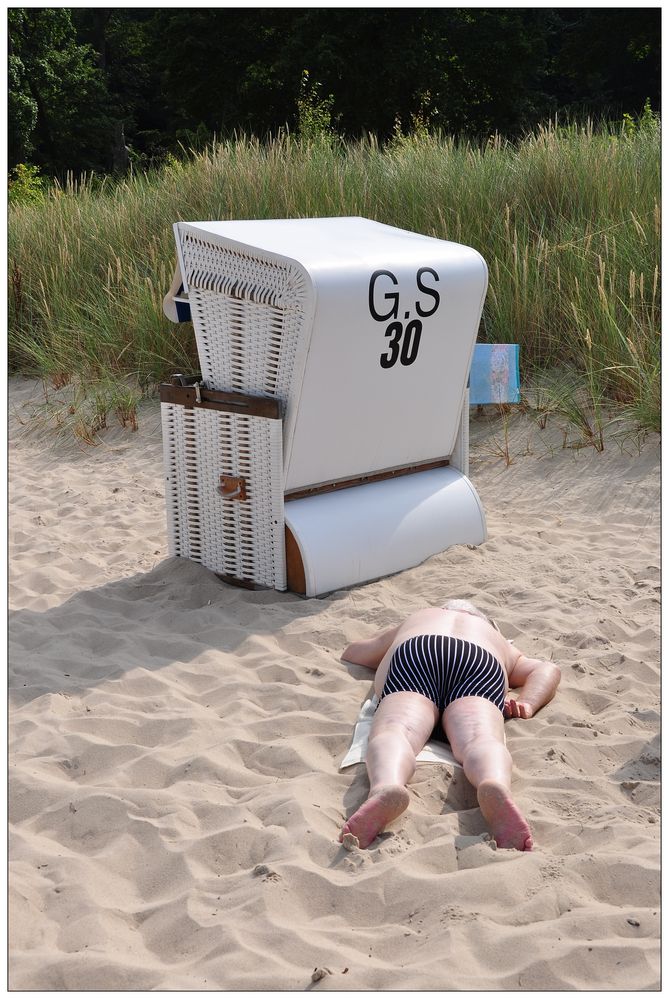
(370, 651)
(534, 682)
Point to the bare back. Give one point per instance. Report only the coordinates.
(456, 624)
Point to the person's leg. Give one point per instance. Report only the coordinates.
(402, 725)
(474, 727)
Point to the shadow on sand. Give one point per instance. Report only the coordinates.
(173, 613)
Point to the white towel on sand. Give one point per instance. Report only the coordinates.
(433, 752)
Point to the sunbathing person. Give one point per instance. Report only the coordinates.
(451, 664)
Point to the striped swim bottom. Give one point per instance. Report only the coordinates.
(444, 669)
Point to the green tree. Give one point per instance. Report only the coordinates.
(122, 39)
(229, 68)
(164, 75)
(21, 105)
(608, 59)
(57, 99)
(226, 68)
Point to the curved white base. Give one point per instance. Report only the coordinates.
(354, 535)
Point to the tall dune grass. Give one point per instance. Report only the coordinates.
(568, 220)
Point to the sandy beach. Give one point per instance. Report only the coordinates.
(175, 792)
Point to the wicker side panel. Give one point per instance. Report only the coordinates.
(248, 314)
(183, 531)
(243, 539)
(252, 276)
(244, 346)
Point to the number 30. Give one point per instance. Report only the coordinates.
(404, 343)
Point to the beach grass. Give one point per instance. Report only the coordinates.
(568, 220)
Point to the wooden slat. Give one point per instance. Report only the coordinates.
(295, 576)
(330, 487)
(223, 402)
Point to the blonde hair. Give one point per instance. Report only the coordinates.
(469, 608)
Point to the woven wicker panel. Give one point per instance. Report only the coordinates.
(248, 316)
(244, 346)
(211, 266)
(239, 538)
(178, 452)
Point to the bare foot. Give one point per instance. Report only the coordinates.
(374, 814)
(506, 821)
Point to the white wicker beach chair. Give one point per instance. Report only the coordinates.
(327, 441)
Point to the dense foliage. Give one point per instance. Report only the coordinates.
(95, 88)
